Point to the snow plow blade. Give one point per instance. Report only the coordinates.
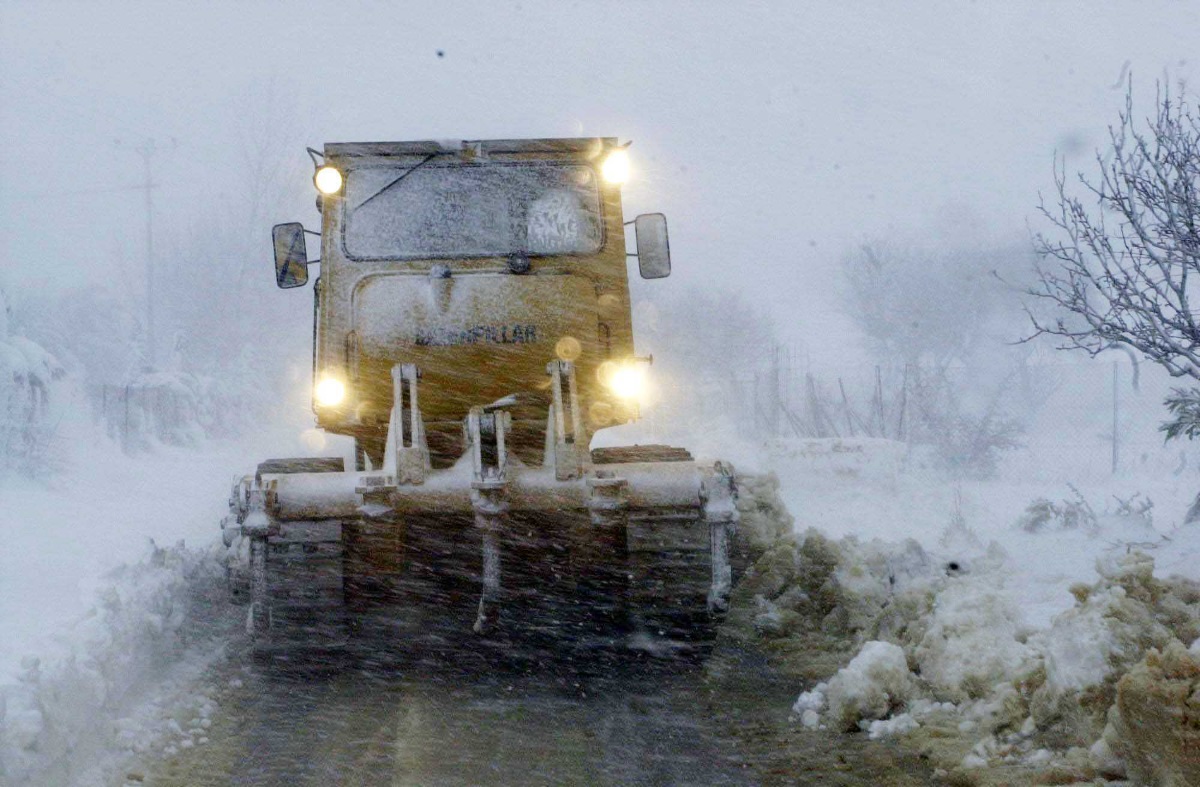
(636, 538)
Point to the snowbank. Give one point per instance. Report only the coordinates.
(101, 635)
(924, 646)
(973, 637)
(1025, 611)
(77, 707)
(1087, 649)
(29, 377)
(763, 519)
(876, 491)
(1154, 726)
(873, 685)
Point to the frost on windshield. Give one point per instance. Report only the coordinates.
(557, 221)
(471, 211)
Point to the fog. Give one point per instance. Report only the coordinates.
(941, 530)
(774, 137)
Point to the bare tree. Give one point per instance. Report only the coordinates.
(1120, 264)
(935, 318)
(931, 307)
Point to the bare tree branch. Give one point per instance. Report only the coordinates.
(1119, 268)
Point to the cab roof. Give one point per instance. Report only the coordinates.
(574, 145)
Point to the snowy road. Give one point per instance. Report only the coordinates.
(458, 719)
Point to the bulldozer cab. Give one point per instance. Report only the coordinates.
(478, 263)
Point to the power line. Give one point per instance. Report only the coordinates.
(42, 195)
(121, 124)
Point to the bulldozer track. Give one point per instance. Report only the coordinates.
(387, 575)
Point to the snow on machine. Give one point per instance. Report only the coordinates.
(473, 332)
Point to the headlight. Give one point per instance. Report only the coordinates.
(625, 380)
(328, 180)
(330, 391)
(615, 168)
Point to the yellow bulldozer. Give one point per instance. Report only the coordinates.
(473, 331)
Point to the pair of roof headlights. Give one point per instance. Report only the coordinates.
(615, 169)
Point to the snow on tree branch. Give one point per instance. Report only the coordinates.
(1121, 260)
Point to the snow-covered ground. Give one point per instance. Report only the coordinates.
(1000, 622)
(111, 597)
(869, 489)
(65, 531)
(105, 559)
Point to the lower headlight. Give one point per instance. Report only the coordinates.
(627, 381)
(330, 391)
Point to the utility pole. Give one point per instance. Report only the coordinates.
(1116, 400)
(146, 151)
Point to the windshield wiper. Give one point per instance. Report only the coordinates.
(404, 175)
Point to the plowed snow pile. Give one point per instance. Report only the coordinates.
(892, 638)
(1154, 726)
(101, 632)
(109, 684)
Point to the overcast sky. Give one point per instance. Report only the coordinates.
(773, 135)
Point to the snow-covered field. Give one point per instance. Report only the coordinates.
(868, 489)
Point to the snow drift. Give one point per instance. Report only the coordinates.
(1154, 725)
(28, 376)
(77, 708)
(898, 641)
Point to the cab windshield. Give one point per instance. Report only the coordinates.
(436, 210)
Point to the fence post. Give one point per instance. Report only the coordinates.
(1116, 438)
(125, 430)
(773, 401)
(878, 414)
(755, 405)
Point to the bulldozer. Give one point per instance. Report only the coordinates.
(472, 333)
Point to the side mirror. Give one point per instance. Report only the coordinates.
(653, 248)
(291, 255)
